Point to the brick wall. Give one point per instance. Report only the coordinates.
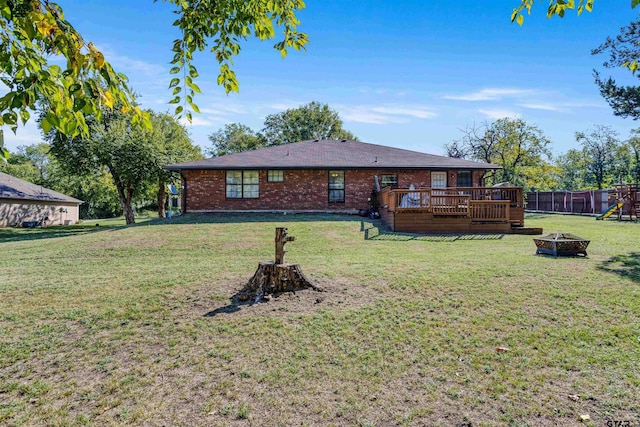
(300, 190)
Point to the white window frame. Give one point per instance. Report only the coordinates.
(438, 179)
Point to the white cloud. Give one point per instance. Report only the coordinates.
(385, 114)
(417, 112)
(286, 105)
(196, 121)
(541, 106)
(224, 110)
(499, 114)
(491, 94)
(370, 118)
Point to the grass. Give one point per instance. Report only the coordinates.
(116, 325)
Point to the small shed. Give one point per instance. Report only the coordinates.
(25, 203)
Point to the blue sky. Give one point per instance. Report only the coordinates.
(401, 73)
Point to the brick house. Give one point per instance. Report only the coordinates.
(316, 176)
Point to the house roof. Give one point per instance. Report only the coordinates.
(15, 188)
(327, 154)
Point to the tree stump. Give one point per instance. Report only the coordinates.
(276, 277)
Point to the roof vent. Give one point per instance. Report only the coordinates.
(316, 140)
(344, 140)
(287, 152)
(376, 160)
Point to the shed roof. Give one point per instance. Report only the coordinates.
(326, 154)
(15, 188)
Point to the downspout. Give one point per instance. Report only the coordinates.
(184, 193)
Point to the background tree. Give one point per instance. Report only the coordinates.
(633, 143)
(134, 156)
(572, 166)
(519, 148)
(311, 121)
(235, 138)
(600, 146)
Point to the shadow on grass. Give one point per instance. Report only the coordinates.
(24, 234)
(627, 265)
(374, 230)
(251, 217)
(235, 305)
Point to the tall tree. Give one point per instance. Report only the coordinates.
(134, 156)
(311, 121)
(235, 138)
(519, 148)
(600, 146)
(113, 143)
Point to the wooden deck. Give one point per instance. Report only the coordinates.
(452, 210)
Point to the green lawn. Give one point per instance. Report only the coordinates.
(116, 325)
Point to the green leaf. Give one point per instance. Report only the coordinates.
(24, 116)
(174, 70)
(179, 110)
(4, 154)
(520, 20)
(174, 82)
(10, 118)
(634, 3)
(175, 100)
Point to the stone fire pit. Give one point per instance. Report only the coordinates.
(561, 244)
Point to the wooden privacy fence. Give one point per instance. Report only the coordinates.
(590, 201)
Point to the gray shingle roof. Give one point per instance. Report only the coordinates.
(15, 188)
(323, 154)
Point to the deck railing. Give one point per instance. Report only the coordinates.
(478, 203)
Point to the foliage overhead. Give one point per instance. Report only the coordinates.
(311, 121)
(518, 147)
(235, 138)
(624, 51)
(32, 32)
(556, 8)
(222, 24)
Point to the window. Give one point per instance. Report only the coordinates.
(389, 181)
(275, 176)
(336, 186)
(464, 179)
(243, 184)
(438, 180)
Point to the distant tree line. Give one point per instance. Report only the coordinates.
(522, 151)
